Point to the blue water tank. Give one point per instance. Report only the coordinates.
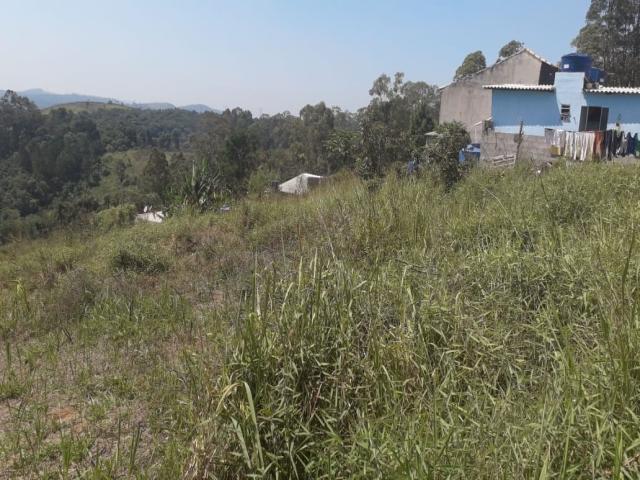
(576, 62)
(597, 75)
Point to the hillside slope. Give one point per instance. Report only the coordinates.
(365, 331)
(48, 100)
(44, 99)
(87, 107)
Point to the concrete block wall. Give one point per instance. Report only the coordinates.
(533, 148)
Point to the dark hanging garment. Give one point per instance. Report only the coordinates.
(610, 141)
(607, 144)
(637, 141)
(623, 145)
(617, 143)
(631, 146)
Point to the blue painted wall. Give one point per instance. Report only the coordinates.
(540, 110)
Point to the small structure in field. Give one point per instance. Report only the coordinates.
(300, 184)
(148, 215)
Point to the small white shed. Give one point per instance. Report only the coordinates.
(148, 215)
(300, 184)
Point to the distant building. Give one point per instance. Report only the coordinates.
(149, 215)
(466, 101)
(300, 184)
(574, 103)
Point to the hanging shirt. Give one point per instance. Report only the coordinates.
(623, 145)
(631, 147)
(631, 144)
(617, 143)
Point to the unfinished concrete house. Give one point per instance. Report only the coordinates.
(467, 102)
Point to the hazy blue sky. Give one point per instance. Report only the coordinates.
(267, 56)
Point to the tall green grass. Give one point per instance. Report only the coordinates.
(365, 331)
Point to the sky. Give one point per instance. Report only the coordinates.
(265, 56)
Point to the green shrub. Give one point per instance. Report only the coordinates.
(115, 217)
(136, 260)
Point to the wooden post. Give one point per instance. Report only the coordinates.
(519, 141)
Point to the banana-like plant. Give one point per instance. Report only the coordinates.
(203, 189)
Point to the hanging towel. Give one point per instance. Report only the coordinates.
(590, 140)
(558, 143)
(582, 146)
(598, 145)
(549, 134)
(570, 149)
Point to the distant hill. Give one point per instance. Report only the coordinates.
(199, 108)
(87, 106)
(45, 100)
(154, 106)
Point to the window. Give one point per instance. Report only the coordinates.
(594, 119)
(565, 113)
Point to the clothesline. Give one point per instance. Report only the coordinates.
(598, 145)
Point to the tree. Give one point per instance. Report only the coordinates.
(19, 120)
(341, 149)
(318, 124)
(156, 174)
(473, 63)
(442, 154)
(611, 36)
(237, 159)
(396, 120)
(120, 169)
(510, 49)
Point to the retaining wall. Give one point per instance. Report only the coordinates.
(533, 148)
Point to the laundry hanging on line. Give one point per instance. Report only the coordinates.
(595, 145)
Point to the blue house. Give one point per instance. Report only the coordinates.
(573, 103)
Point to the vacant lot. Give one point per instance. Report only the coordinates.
(381, 330)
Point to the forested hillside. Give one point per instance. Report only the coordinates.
(58, 166)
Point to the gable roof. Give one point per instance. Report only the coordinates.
(500, 61)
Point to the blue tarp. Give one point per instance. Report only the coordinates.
(471, 153)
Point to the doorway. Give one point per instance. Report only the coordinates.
(594, 119)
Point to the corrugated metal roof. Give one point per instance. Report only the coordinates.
(515, 86)
(620, 90)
